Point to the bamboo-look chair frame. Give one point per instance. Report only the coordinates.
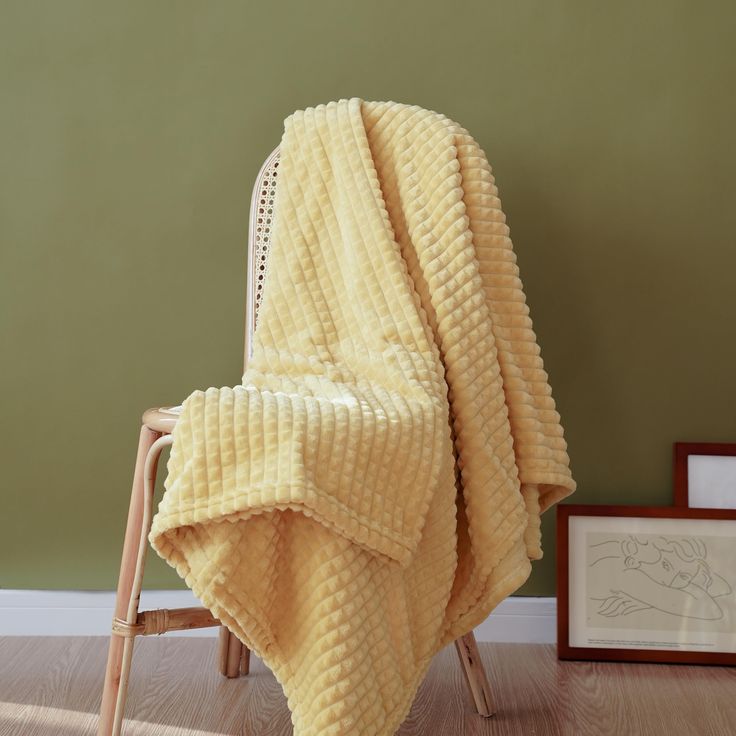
(155, 435)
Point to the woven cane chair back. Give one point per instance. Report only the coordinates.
(259, 243)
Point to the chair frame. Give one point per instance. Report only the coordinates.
(155, 434)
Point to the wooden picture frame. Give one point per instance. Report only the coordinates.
(699, 485)
(623, 627)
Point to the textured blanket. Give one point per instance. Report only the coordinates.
(373, 488)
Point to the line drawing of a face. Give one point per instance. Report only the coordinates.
(671, 562)
(635, 573)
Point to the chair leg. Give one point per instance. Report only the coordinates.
(121, 647)
(244, 659)
(475, 674)
(234, 659)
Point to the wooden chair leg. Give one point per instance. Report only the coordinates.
(121, 648)
(244, 660)
(475, 675)
(234, 659)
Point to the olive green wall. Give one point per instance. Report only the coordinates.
(131, 134)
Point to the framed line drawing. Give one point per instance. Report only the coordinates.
(705, 475)
(646, 584)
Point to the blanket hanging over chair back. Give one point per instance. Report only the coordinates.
(373, 488)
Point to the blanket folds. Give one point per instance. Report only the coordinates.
(373, 488)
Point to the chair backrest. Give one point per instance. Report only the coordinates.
(259, 244)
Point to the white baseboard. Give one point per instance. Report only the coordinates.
(521, 619)
(89, 613)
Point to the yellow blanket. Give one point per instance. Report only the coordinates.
(373, 488)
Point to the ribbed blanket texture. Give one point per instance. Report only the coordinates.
(373, 488)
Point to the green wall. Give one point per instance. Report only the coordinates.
(131, 134)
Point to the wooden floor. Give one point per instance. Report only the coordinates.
(51, 686)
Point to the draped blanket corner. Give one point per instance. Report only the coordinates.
(373, 488)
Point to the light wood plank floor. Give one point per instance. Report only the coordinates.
(51, 686)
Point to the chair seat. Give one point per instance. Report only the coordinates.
(161, 418)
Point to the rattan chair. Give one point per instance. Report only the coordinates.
(155, 434)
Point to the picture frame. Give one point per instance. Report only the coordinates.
(663, 588)
(705, 474)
